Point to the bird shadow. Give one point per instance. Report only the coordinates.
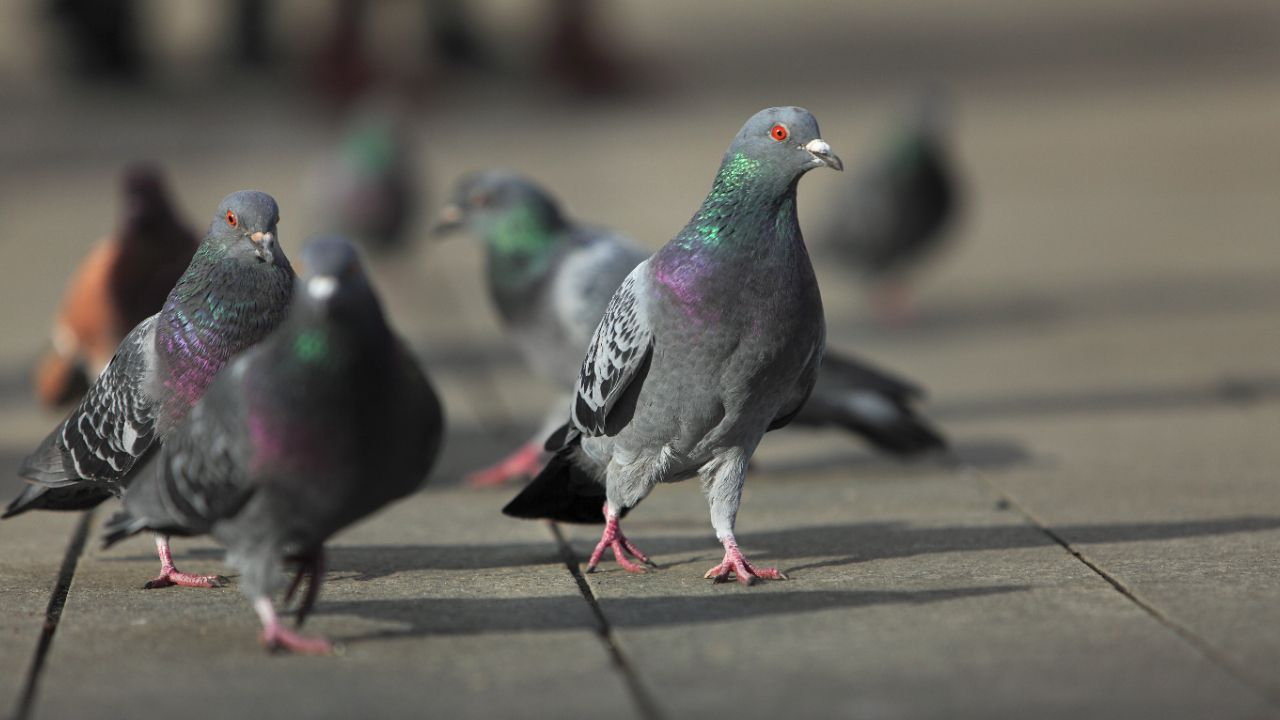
(417, 617)
(853, 543)
(838, 544)
(989, 455)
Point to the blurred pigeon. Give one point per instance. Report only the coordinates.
(368, 189)
(327, 420)
(123, 281)
(708, 344)
(551, 279)
(235, 291)
(899, 209)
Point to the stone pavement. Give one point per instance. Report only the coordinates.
(1101, 347)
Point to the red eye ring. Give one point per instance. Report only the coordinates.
(778, 132)
(231, 219)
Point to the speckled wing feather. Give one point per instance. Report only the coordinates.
(620, 347)
(110, 429)
(198, 477)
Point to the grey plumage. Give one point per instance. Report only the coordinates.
(234, 292)
(705, 346)
(324, 422)
(551, 280)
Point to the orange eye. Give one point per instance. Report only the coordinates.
(778, 132)
(231, 219)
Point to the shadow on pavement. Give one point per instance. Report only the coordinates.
(977, 455)
(863, 542)
(450, 616)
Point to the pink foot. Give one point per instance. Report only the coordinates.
(169, 575)
(276, 636)
(622, 547)
(735, 564)
(523, 463)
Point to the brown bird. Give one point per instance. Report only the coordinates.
(124, 280)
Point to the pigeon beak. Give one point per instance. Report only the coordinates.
(822, 154)
(321, 287)
(450, 219)
(266, 243)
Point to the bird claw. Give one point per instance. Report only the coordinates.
(736, 566)
(523, 463)
(170, 577)
(280, 638)
(623, 549)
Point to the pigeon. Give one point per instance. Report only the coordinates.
(705, 346)
(235, 291)
(368, 189)
(324, 422)
(550, 280)
(899, 208)
(123, 281)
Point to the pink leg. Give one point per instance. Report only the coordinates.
(735, 563)
(312, 567)
(525, 462)
(622, 547)
(169, 574)
(275, 636)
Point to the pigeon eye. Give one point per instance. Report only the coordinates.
(779, 132)
(231, 219)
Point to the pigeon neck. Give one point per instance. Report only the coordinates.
(521, 245)
(219, 307)
(747, 206)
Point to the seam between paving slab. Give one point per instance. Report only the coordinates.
(52, 615)
(644, 701)
(1201, 645)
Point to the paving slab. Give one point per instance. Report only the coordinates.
(913, 598)
(33, 550)
(438, 610)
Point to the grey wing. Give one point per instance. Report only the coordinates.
(200, 474)
(619, 352)
(111, 428)
(803, 387)
(587, 279)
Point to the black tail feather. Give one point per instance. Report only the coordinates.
(561, 492)
(79, 496)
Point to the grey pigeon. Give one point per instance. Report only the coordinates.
(551, 279)
(708, 344)
(899, 207)
(324, 422)
(234, 292)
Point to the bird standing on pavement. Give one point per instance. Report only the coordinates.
(234, 292)
(708, 344)
(899, 208)
(123, 281)
(551, 279)
(327, 420)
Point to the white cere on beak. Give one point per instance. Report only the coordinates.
(321, 287)
(818, 146)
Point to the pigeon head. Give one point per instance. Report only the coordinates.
(333, 281)
(146, 201)
(244, 226)
(785, 141)
(510, 212)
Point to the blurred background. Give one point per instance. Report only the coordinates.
(1118, 165)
